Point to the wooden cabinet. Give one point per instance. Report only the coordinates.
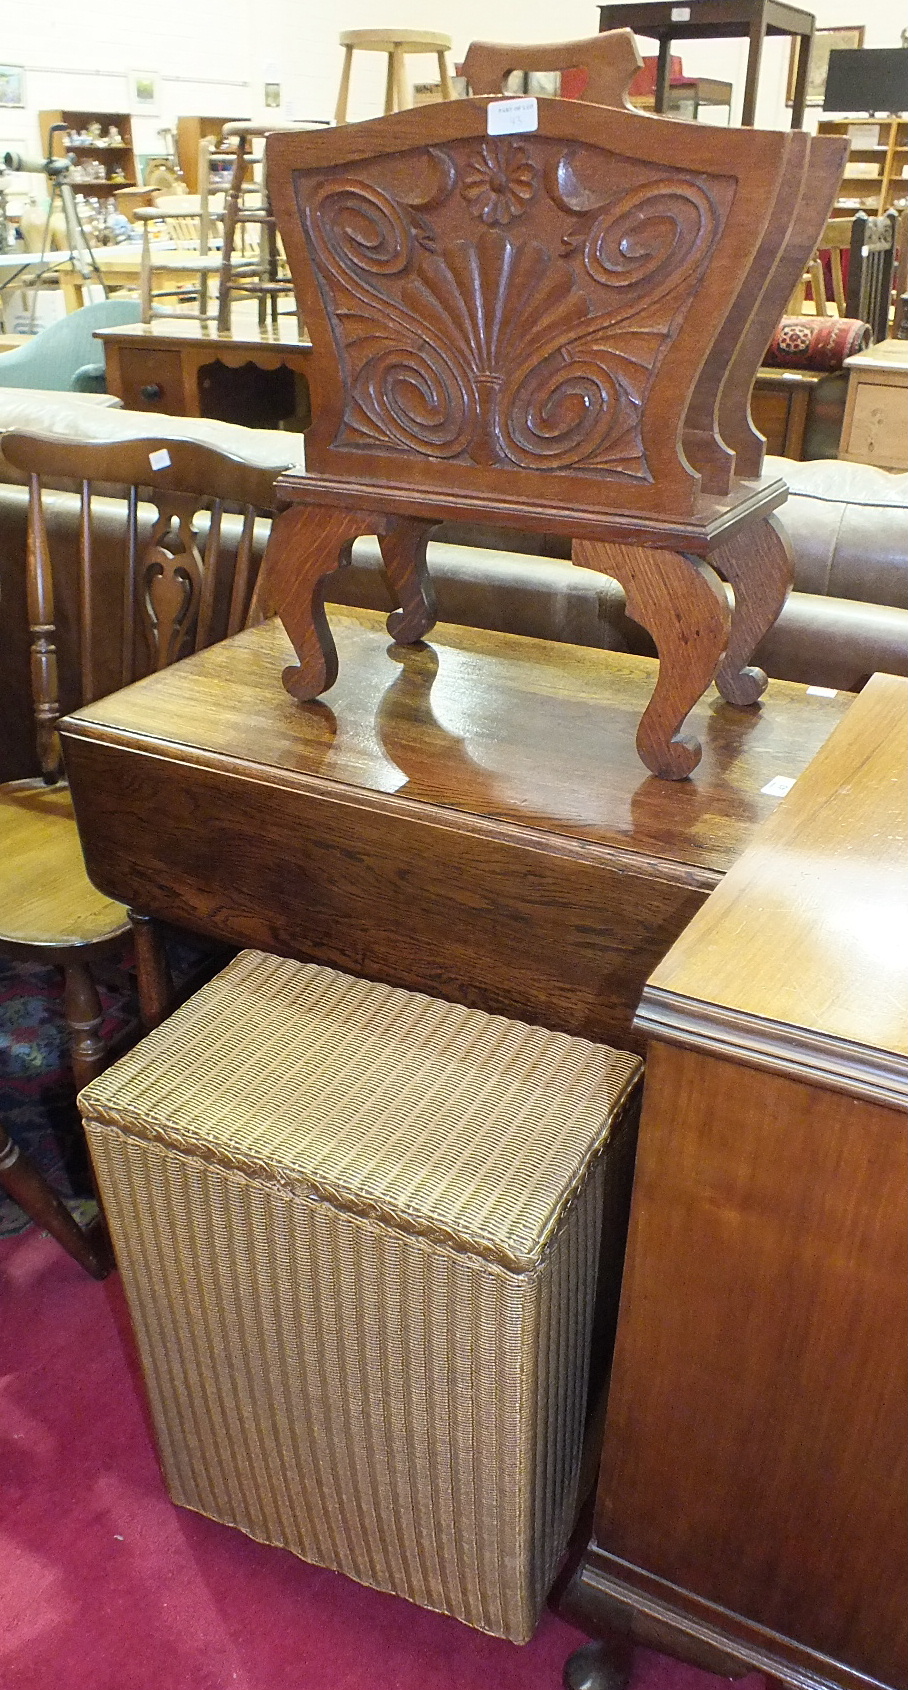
(874, 176)
(117, 159)
(752, 1494)
(178, 366)
(873, 430)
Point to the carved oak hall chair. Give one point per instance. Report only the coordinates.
(553, 330)
(180, 588)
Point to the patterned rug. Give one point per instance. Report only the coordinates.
(37, 1094)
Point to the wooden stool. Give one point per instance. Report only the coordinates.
(396, 43)
(359, 1231)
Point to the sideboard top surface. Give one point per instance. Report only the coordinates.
(510, 732)
(804, 947)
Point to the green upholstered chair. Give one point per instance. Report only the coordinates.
(66, 357)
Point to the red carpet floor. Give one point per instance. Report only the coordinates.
(107, 1586)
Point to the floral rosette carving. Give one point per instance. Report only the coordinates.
(499, 183)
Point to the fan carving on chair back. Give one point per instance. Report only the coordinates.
(482, 306)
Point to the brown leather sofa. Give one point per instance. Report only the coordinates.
(846, 617)
(848, 526)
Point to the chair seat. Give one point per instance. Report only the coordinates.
(187, 259)
(385, 40)
(46, 897)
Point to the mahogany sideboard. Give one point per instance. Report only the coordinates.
(752, 1509)
(470, 819)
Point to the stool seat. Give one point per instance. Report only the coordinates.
(396, 43)
(359, 1231)
(385, 40)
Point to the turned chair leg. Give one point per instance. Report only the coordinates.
(153, 977)
(26, 1186)
(83, 1012)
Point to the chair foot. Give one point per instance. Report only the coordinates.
(27, 1186)
(596, 1667)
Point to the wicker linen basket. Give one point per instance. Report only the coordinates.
(359, 1232)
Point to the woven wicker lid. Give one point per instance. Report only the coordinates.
(468, 1128)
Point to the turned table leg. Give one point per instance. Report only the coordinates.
(682, 603)
(153, 978)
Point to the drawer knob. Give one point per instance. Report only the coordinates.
(152, 391)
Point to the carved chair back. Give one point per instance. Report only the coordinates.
(610, 61)
(521, 317)
(718, 429)
(182, 587)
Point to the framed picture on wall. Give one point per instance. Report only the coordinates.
(12, 85)
(825, 41)
(143, 91)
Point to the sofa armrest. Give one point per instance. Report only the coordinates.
(91, 378)
(839, 643)
(817, 640)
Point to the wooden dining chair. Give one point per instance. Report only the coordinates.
(836, 239)
(177, 242)
(186, 577)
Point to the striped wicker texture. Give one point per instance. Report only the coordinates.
(359, 1233)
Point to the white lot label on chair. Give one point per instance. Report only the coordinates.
(778, 786)
(160, 459)
(822, 692)
(512, 117)
(680, 14)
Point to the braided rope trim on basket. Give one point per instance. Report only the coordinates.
(347, 1200)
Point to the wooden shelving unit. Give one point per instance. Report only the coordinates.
(874, 176)
(192, 130)
(119, 160)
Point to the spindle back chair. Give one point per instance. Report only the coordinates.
(187, 575)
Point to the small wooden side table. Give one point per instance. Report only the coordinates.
(714, 19)
(873, 431)
(780, 405)
(164, 366)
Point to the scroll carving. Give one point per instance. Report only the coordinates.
(480, 348)
(171, 582)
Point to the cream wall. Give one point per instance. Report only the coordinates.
(215, 55)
